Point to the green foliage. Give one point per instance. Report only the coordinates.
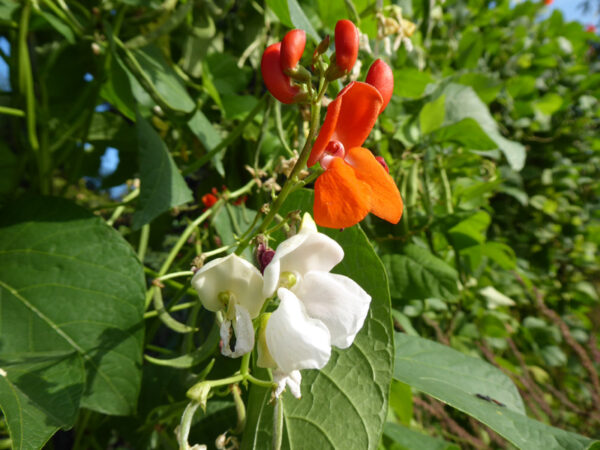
(71, 325)
(491, 137)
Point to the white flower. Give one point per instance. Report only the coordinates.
(233, 285)
(308, 250)
(317, 309)
(292, 380)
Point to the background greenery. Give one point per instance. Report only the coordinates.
(491, 136)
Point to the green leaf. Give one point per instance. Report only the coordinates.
(163, 78)
(432, 115)
(401, 401)
(162, 186)
(117, 88)
(280, 8)
(232, 221)
(408, 439)
(300, 20)
(418, 274)
(72, 297)
(471, 231)
(354, 385)
(466, 132)
(204, 131)
(59, 26)
(457, 379)
(410, 83)
(462, 103)
(40, 394)
(549, 103)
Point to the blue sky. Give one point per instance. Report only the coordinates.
(572, 12)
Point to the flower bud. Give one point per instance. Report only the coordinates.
(199, 392)
(292, 48)
(346, 45)
(277, 82)
(381, 77)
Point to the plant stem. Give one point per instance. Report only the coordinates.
(12, 111)
(117, 213)
(278, 424)
(185, 425)
(293, 178)
(143, 245)
(179, 307)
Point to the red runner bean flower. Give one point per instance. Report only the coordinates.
(354, 182)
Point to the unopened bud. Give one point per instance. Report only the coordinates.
(96, 50)
(199, 393)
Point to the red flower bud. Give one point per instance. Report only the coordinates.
(548, 2)
(292, 48)
(590, 29)
(381, 77)
(277, 82)
(209, 200)
(346, 44)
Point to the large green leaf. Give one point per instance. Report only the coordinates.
(344, 405)
(418, 274)
(478, 389)
(164, 79)
(404, 438)
(40, 394)
(432, 115)
(462, 102)
(71, 326)
(162, 186)
(466, 132)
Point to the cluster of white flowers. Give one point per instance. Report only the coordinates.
(317, 309)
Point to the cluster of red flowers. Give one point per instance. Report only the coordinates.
(355, 182)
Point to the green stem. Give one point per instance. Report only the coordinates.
(26, 89)
(166, 318)
(217, 251)
(278, 424)
(81, 426)
(12, 111)
(280, 132)
(184, 273)
(240, 409)
(179, 307)
(117, 213)
(263, 130)
(185, 425)
(145, 233)
(293, 178)
(446, 187)
(244, 367)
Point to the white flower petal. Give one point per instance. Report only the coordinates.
(337, 301)
(307, 250)
(295, 340)
(292, 380)
(234, 274)
(243, 333)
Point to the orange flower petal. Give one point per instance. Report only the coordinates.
(386, 202)
(350, 118)
(361, 104)
(341, 200)
(326, 131)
